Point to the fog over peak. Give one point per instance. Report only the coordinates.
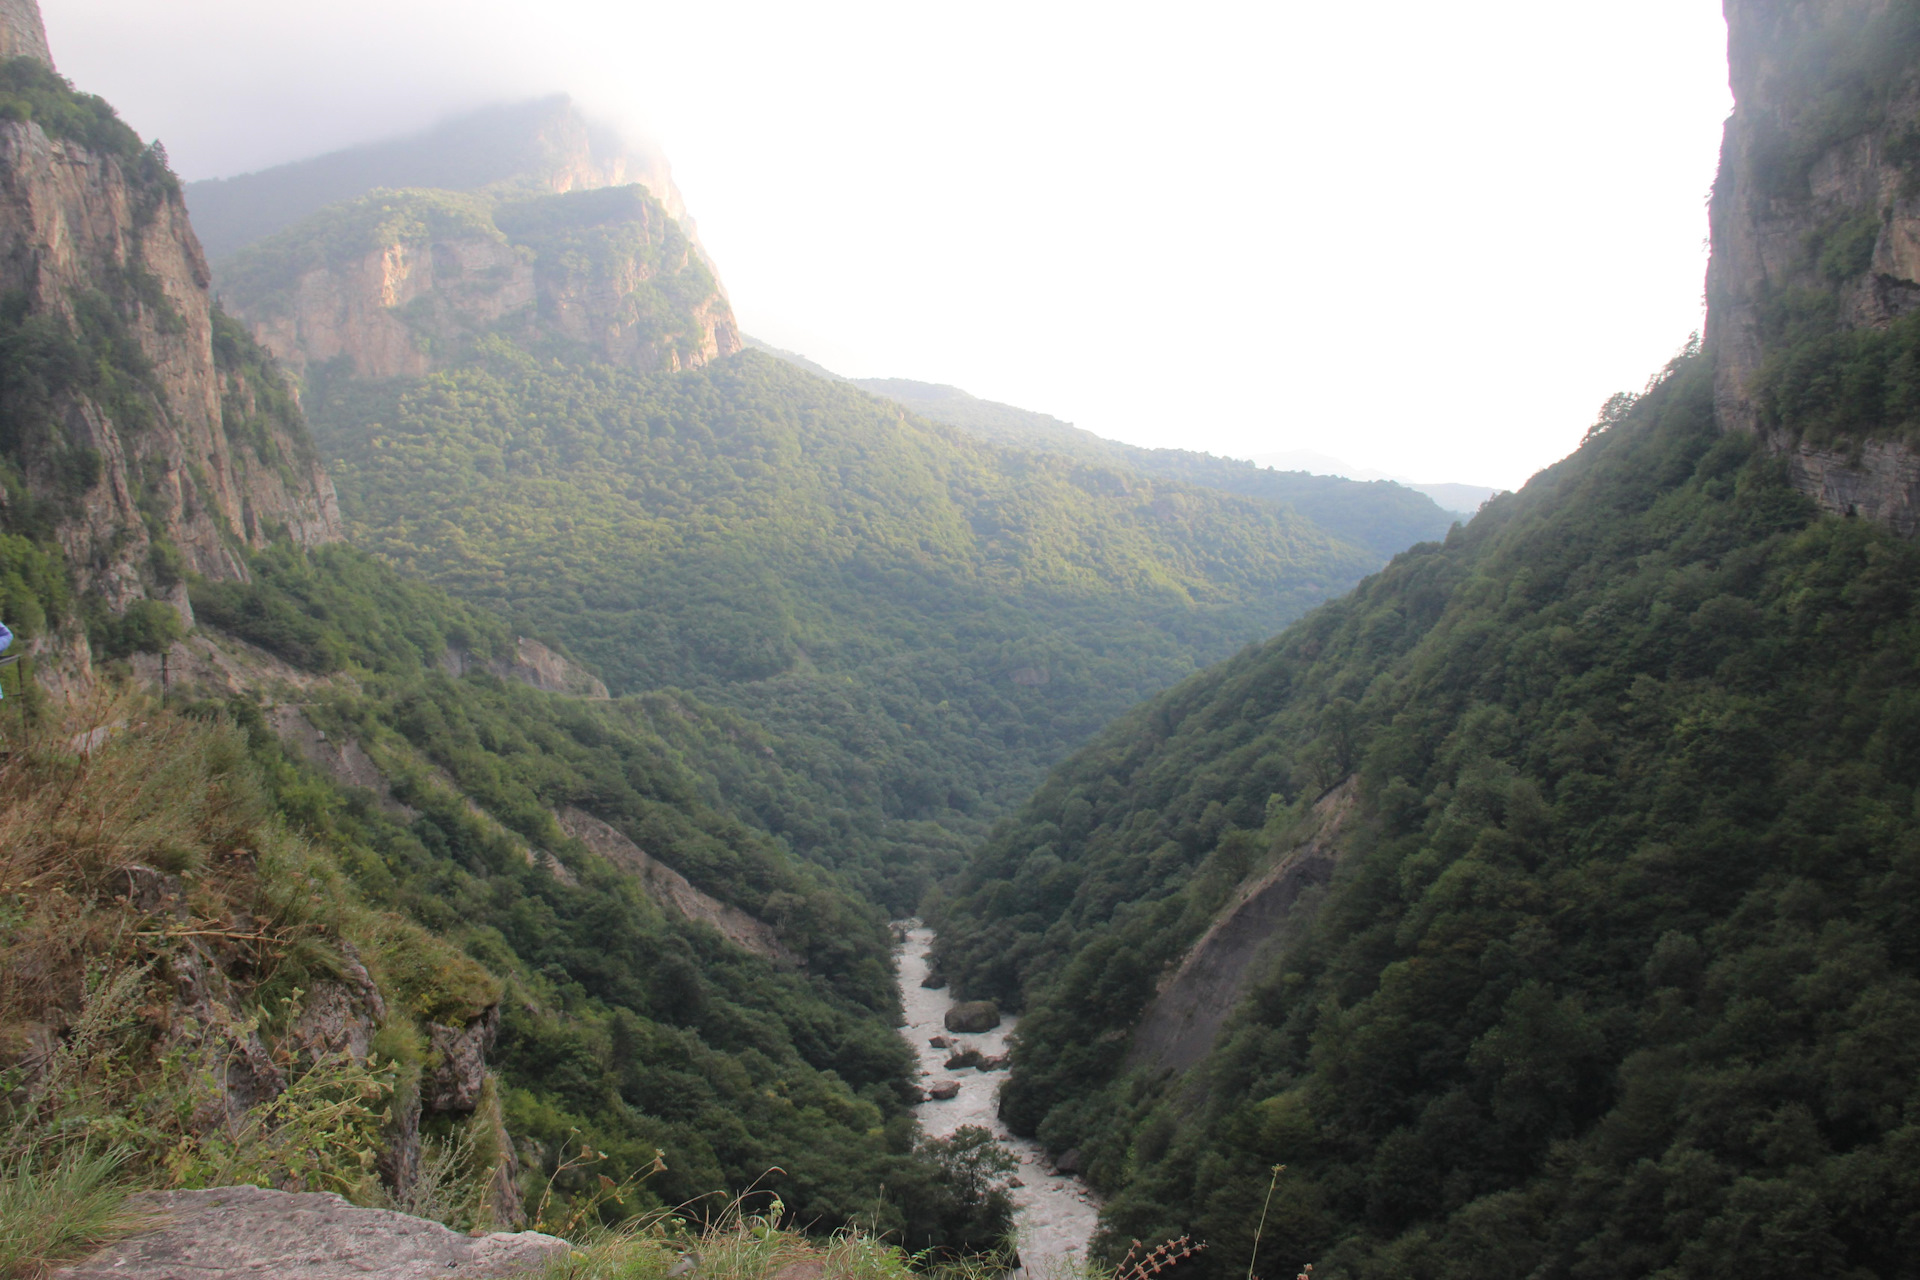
(1247, 230)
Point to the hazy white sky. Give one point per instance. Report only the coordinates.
(1430, 239)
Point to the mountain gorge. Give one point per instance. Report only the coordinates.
(327, 860)
(482, 713)
(917, 622)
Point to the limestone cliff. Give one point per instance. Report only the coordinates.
(401, 283)
(1816, 245)
(139, 429)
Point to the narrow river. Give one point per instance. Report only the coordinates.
(1056, 1214)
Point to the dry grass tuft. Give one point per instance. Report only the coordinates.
(59, 1208)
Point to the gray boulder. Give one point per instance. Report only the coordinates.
(944, 1091)
(233, 1232)
(973, 1016)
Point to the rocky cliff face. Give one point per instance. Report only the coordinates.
(1816, 233)
(139, 429)
(401, 283)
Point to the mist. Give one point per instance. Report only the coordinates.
(1427, 241)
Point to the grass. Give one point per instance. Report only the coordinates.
(137, 843)
(741, 1245)
(56, 1207)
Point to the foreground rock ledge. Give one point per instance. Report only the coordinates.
(234, 1232)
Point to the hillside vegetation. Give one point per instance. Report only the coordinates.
(624, 1028)
(1381, 516)
(916, 624)
(1617, 975)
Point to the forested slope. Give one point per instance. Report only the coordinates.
(1379, 515)
(625, 1026)
(1616, 975)
(917, 622)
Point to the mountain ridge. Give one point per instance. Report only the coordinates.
(1382, 518)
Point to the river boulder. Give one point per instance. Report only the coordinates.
(964, 1058)
(973, 1016)
(945, 1090)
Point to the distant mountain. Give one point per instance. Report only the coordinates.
(792, 357)
(1383, 518)
(1462, 498)
(542, 146)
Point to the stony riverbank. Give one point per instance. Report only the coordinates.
(1057, 1213)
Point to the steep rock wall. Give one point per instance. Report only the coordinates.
(1816, 222)
(201, 467)
(140, 430)
(603, 274)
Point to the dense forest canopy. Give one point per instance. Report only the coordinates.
(1380, 515)
(1616, 975)
(916, 623)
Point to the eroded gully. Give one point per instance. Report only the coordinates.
(1055, 1214)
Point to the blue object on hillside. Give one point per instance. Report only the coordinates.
(6, 640)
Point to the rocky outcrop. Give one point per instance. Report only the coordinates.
(532, 664)
(674, 891)
(1815, 222)
(457, 1070)
(381, 313)
(231, 1233)
(604, 275)
(149, 434)
(1180, 1025)
(341, 758)
(1877, 480)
